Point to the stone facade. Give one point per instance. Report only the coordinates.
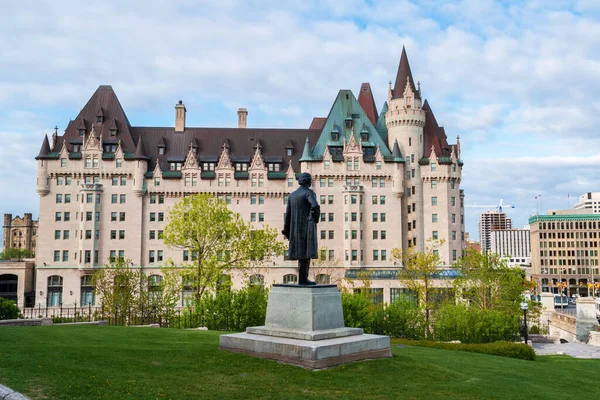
(564, 252)
(19, 233)
(514, 245)
(384, 181)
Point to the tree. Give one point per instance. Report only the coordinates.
(217, 240)
(334, 268)
(487, 283)
(15, 253)
(418, 272)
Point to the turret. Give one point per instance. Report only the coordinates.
(141, 167)
(43, 184)
(398, 176)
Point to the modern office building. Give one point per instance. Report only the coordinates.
(590, 202)
(384, 180)
(564, 251)
(490, 221)
(514, 245)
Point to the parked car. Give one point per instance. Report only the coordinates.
(561, 301)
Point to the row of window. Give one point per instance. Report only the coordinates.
(66, 216)
(329, 182)
(434, 201)
(570, 225)
(160, 217)
(160, 198)
(154, 234)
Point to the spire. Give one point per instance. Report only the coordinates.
(396, 151)
(402, 75)
(45, 150)
(380, 127)
(367, 102)
(140, 153)
(307, 153)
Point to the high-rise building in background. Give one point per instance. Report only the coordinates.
(384, 180)
(514, 245)
(564, 251)
(590, 202)
(490, 221)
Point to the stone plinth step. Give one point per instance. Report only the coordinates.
(313, 354)
(304, 335)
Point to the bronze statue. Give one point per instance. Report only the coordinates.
(301, 218)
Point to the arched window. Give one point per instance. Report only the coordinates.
(323, 279)
(88, 298)
(257, 279)
(154, 289)
(290, 278)
(8, 286)
(55, 291)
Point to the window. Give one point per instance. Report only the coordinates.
(330, 182)
(55, 290)
(451, 184)
(89, 198)
(113, 217)
(253, 199)
(115, 180)
(87, 291)
(433, 166)
(354, 216)
(63, 163)
(354, 234)
(381, 182)
(152, 217)
(374, 182)
(57, 216)
(161, 217)
(113, 235)
(121, 235)
(330, 217)
(257, 280)
(113, 199)
(335, 136)
(375, 255)
(382, 217)
(151, 256)
(452, 201)
(67, 180)
(453, 218)
(433, 183)
(261, 217)
(65, 255)
(354, 255)
(327, 164)
(59, 198)
(331, 235)
(375, 235)
(434, 201)
(67, 216)
(453, 255)
(453, 235)
(161, 150)
(121, 216)
(252, 217)
(122, 198)
(434, 218)
(290, 182)
(156, 181)
(261, 180)
(323, 235)
(434, 234)
(383, 235)
(56, 255)
(353, 199)
(88, 256)
(123, 181)
(159, 255)
(152, 235)
(382, 200)
(175, 166)
(290, 278)
(119, 163)
(375, 217)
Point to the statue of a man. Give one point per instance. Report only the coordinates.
(301, 218)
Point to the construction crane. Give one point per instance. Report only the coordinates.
(498, 207)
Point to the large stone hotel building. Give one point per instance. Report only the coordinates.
(384, 180)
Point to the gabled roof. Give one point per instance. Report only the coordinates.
(317, 123)
(346, 107)
(401, 75)
(367, 102)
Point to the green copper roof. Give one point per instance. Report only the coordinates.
(381, 127)
(566, 217)
(346, 108)
(276, 175)
(148, 174)
(171, 174)
(307, 153)
(241, 175)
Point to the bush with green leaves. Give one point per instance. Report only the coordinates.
(404, 319)
(500, 348)
(473, 325)
(357, 311)
(9, 309)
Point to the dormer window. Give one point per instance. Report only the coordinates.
(335, 136)
(175, 166)
(208, 166)
(76, 148)
(364, 136)
(368, 151)
(240, 167)
(348, 122)
(289, 152)
(113, 132)
(110, 148)
(274, 167)
(81, 132)
(161, 150)
(99, 119)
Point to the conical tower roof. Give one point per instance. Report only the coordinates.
(307, 153)
(45, 150)
(367, 102)
(401, 75)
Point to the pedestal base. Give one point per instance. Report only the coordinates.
(313, 354)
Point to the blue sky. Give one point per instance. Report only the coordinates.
(518, 81)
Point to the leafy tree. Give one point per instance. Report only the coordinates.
(9, 309)
(217, 240)
(323, 266)
(418, 273)
(15, 253)
(487, 283)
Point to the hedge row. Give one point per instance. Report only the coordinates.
(503, 349)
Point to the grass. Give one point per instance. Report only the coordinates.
(106, 362)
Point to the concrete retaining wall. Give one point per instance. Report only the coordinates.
(27, 322)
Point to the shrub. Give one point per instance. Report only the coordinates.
(9, 309)
(503, 349)
(404, 319)
(357, 312)
(534, 330)
(472, 325)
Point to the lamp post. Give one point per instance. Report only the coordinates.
(524, 307)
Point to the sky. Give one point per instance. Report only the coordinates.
(517, 81)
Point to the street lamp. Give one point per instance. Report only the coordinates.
(524, 307)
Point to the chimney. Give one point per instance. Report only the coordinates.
(54, 137)
(180, 117)
(242, 117)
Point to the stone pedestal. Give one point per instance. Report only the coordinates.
(305, 326)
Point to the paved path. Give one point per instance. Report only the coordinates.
(577, 350)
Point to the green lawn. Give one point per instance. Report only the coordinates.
(106, 362)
